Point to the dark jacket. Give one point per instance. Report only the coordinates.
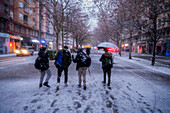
(44, 59)
(66, 57)
(78, 60)
(107, 61)
(88, 51)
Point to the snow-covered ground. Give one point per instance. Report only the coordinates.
(129, 94)
(157, 67)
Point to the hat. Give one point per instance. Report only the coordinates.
(79, 50)
(65, 47)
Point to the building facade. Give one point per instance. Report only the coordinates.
(19, 21)
(142, 43)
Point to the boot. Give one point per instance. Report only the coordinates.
(40, 85)
(84, 87)
(57, 88)
(46, 84)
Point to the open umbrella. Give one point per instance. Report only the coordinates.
(106, 45)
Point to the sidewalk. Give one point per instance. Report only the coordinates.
(160, 59)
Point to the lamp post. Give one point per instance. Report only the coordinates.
(40, 22)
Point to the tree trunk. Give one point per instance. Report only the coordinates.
(130, 49)
(155, 33)
(57, 35)
(62, 32)
(119, 46)
(153, 57)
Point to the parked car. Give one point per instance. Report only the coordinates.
(25, 50)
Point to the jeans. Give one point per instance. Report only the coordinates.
(108, 72)
(65, 73)
(43, 74)
(82, 72)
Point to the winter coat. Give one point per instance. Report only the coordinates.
(66, 57)
(78, 60)
(107, 61)
(88, 51)
(44, 58)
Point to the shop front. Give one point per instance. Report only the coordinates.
(4, 43)
(141, 47)
(15, 42)
(35, 43)
(9, 43)
(168, 48)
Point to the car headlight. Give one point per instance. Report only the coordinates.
(17, 51)
(25, 51)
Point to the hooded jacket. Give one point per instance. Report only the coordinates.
(107, 60)
(66, 57)
(78, 59)
(44, 59)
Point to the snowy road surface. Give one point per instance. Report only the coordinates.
(135, 89)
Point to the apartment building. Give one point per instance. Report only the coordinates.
(142, 43)
(20, 25)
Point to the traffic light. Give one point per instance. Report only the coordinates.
(10, 44)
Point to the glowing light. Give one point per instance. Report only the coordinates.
(10, 44)
(43, 41)
(25, 51)
(17, 51)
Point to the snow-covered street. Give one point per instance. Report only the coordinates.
(135, 88)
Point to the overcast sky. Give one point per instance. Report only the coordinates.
(89, 8)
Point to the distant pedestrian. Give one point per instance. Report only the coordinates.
(107, 64)
(88, 51)
(62, 62)
(43, 55)
(82, 64)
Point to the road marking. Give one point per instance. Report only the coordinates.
(141, 77)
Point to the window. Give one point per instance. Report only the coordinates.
(6, 9)
(22, 29)
(11, 27)
(21, 16)
(30, 32)
(25, 6)
(33, 5)
(33, 14)
(33, 33)
(36, 33)
(30, 1)
(30, 21)
(27, 31)
(25, 19)
(33, 22)
(11, 1)
(20, 5)
(11, 14)
(30, 11)
(16, 28)
(2, 27)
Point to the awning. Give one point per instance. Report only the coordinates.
(16, 37)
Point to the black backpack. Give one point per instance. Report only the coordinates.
(85, 60)
(40, 64)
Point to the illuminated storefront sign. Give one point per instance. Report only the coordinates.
(16, 37)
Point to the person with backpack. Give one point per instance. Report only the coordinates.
(44, 66)
(88, 51)
(62, 62)
(107, 64)
(83, 61)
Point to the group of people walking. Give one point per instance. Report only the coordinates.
(63, 60)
